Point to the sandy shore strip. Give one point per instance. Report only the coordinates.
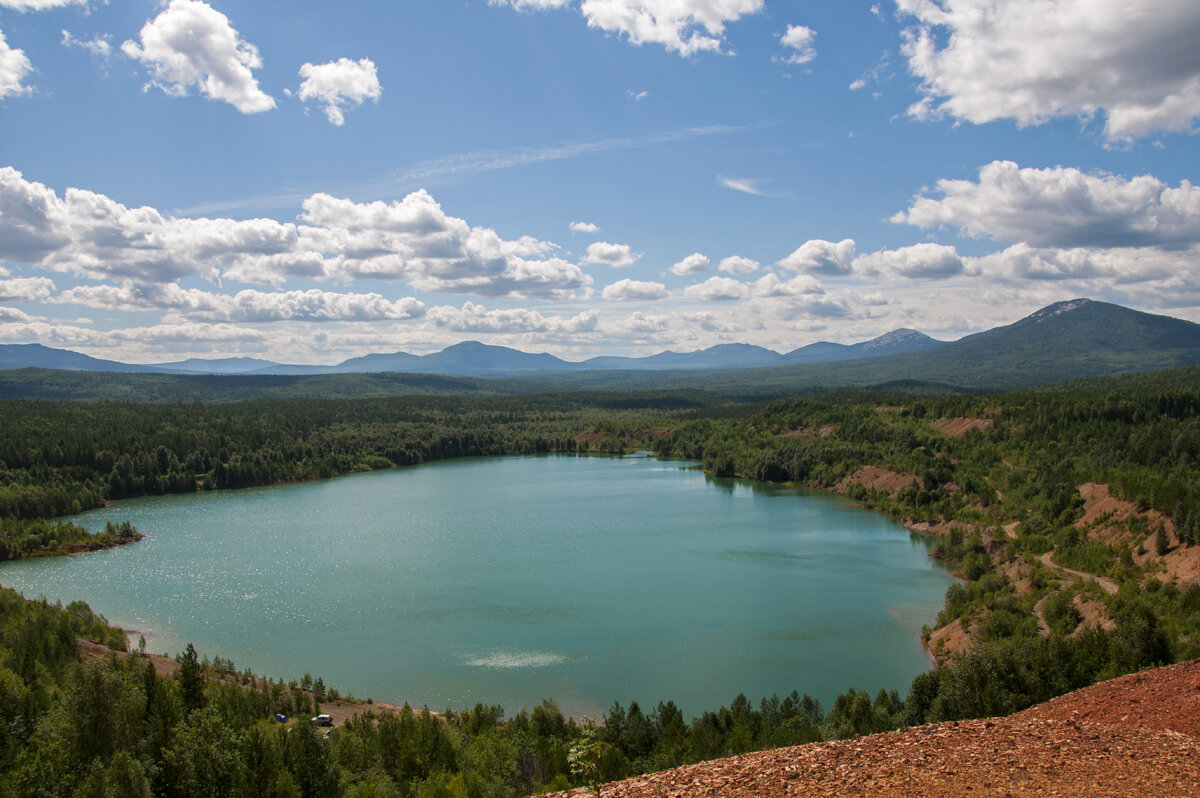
(340, 711)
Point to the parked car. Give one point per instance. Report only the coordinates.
(323, 720)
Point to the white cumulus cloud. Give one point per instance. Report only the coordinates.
(23, 289)
(818, 256)
(339, 84)
(171, 336)
(686, 27)
(769, 285)
(415, 240)
(736, 264)
(618, 256)
(1116, 266)
(93, 236)
(692, 264)
(248, 306)
(475, 318)
(136, 343)
(638, 325)
(1032, 60)
(634, 290)
(799, 38)
(191, 44)
(39, 5)
(9, 317)
(412, 240)
(1062, 207)
(584, 227)
(717, 289)
(99, 46)
(817, 306)
(919, 261)
(14, 66)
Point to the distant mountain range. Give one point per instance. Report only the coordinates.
(1067, 340)
(225, 365)
(20, 356)
(1070, 340)
(897, 342)
(474, 359)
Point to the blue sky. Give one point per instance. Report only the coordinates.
(307, 182)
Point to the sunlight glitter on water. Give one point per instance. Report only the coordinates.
(516, 659)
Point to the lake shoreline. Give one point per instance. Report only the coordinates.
(340, 710)
(726, 522)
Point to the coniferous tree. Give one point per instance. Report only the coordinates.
(191, 679)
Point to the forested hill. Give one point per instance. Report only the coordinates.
(1072, 516)
(34, 383)
(1065, 341)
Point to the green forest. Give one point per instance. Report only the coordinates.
(997, 478)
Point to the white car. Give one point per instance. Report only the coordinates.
(323, 720)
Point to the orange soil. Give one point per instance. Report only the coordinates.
(949, 641)
(876, 478)
(806, 432)
(1105, 518)
(1135, 736)
(957, 427)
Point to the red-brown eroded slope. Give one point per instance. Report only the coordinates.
(1163, 698)
(1134, 736)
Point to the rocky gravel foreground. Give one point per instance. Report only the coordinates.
(1134, 736)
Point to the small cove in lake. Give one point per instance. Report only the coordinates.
(509, 580)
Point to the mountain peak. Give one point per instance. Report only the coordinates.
(1059, 308)
(735, 349)
(902, 336)
(470, 346)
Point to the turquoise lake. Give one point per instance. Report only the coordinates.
(509, 580)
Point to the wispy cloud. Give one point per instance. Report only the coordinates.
(423, 174)
(749, 185)
(491, 160)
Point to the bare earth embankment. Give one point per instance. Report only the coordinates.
(1134, 736)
